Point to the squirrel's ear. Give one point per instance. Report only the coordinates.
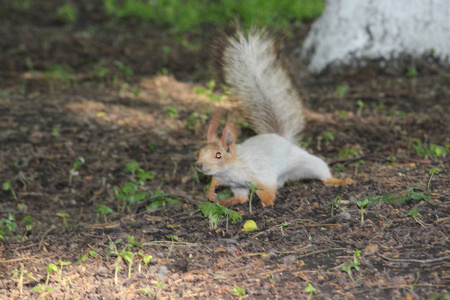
(214, 123)
(228, 140)
(229, 134)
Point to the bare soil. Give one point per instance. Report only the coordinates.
(95, 89)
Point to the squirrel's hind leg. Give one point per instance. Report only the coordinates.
(338, 181)
(267, 195)
(240, 196)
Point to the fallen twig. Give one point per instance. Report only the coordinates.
(423, 261)
(379, 157)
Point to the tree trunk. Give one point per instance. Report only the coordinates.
(353, 30)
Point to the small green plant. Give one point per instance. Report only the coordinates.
(392, 161)
(361, 106)
(121, 255)
(414, 213)
(153, 146)
(20, 272)
(138, 174)
(73, 172)
(27, 221)
(411, 72)
(209, 92)
(82, 259)
(173, 239)
(126, 70)
(58, 73)
(172, 112)
(132, 242)
(61, 265)
(196, 119)
(340, 168)
(432, 151)
(342, 90)
(396, 198)
(160, 199)
(100, 72)
(310, 290)
(253, 188)
(64, 217)
(51, 268)
(22, 4)
(7, 226)
(432, 172)
(362, 204)
(55, 131)
(146, 259)
(335, 204)
(352, 265)
(42, 287)
(238, 291)
(133, 167)
(127, 255)
(283, 225)
(132, 193)
(328, 135)
(104, 210)
(67, 13)
(186, 16)
(347, 153)
(214, 212)
(8, 187)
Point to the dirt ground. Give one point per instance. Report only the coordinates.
(112, 93)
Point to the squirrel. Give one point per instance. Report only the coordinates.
(273, 108)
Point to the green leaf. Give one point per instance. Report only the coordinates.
(104, 210)
(250, 225)
(64, 263)
(413, 213)
(144, 175)
(80, 161)
(328, 135)
(434, 170)
(6, 185)
(133, 242)
(82, 258)
(252, 186)
(362, 203)
(171, 112)
(214, 212)
(238, 291)
(310, 289)
(127, 256)
(132, 166)
(146, 259)
(52, 268)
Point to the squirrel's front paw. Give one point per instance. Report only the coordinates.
(338, 181)
(212, 196)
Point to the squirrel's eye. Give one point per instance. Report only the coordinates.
(218, 155)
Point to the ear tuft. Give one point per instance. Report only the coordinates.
(213, 125)
(229, 134)
(228, 141)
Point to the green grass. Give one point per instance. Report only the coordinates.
(182, 16)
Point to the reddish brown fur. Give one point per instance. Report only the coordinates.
(338, 181)
(266, 194)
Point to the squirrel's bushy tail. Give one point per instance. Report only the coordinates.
(264, 90)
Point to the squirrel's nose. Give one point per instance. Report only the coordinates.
(199, 167)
